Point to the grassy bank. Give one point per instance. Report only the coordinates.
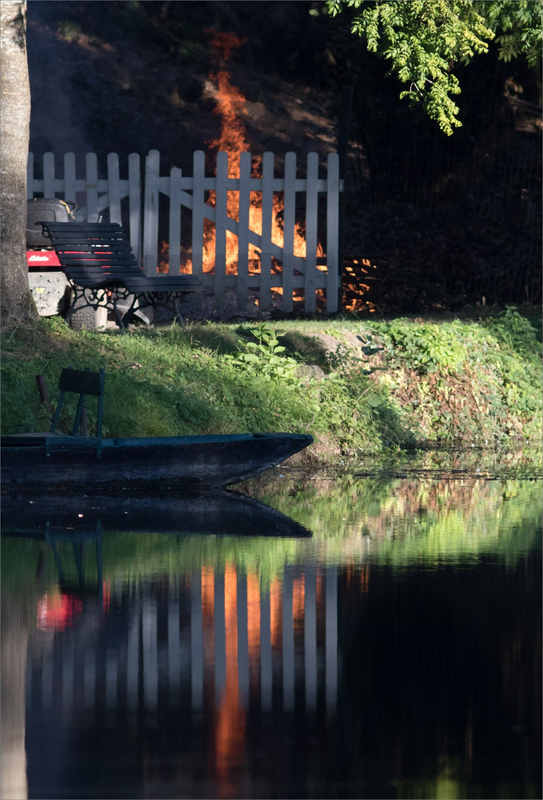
(358, 386)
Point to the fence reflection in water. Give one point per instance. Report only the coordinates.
(224, 638)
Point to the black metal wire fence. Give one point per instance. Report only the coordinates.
(437, 221)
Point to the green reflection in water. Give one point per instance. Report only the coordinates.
(401, 520)
(353, 520)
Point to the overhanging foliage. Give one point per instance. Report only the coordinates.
(425, 41)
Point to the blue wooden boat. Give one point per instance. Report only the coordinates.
(54, 461)
(75, 463)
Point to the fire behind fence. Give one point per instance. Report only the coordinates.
(245, 232)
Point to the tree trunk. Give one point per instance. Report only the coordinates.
(15, 99)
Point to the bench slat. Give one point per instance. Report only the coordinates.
(99, 241)
(98, 277)
(95, 259)
(107, 281)
(101, 270)
(186, 286)
(161, 285)
(85, 247)
(79, 226)
(144, 283)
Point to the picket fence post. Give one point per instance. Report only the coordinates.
(70, 194)
(332, 233)
(48, 175)
(221, 215)
(134, 204)
(311, 211)
(289, 221)
(150, 213)
(198, 175)
(243, 230)
(297, 272)
(174, 257)
(114, 188)
(92, 187)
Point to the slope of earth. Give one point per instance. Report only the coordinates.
(109, 77)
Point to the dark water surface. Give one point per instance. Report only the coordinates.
(395, 653)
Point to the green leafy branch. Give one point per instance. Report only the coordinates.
(424, 41)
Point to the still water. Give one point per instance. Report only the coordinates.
(377, 638)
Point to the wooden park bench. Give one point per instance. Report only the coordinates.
(102, 271)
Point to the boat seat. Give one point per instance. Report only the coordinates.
(76, 381)
(29, 439)
(34, 435)
(81, 382)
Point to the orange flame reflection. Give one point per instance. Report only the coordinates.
(230, 725)
(230, 728)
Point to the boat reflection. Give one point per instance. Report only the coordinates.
(113, 649)
(221, 513)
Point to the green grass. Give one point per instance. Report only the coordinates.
(447, 382)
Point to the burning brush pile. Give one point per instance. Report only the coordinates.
(233, 139)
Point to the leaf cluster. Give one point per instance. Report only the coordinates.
(266, 357)
(428, 348)
(424, 41)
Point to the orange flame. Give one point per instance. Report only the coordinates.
(224, 43)
(231, 108)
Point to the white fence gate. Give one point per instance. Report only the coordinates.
(279, 268)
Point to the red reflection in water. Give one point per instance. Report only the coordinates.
(57, 610)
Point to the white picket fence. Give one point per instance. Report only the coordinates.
(122, 199)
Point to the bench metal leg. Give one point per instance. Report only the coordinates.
(119, 317)
(124, 307)
(179, 315)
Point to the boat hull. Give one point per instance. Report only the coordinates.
(70, 463)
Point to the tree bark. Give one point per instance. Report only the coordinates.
(14, 127)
